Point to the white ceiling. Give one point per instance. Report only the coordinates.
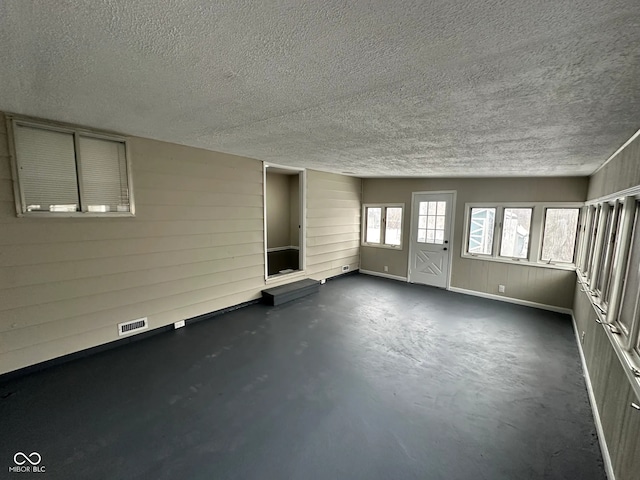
(377, 88)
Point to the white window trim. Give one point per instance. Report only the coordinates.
(383, 229)
(624, 344)
(535, 236)
(13, 120)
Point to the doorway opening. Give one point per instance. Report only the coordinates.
(284, 220)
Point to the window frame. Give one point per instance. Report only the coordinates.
(576, 240)
(536, 233)
(504, 209)
(467, 236)
(20, 203)
(383, 225)
(625, 342)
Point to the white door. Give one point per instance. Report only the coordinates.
(430, 245)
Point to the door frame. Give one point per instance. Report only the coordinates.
(302, 203)
(452, 230)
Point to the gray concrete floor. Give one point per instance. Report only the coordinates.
(369, 379)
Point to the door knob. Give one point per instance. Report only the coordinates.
(444, 248)
(446, 241)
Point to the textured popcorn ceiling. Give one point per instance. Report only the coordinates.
(377, 88)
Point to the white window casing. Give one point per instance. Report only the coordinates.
(383, 225)
(63, 171)
(516, 235)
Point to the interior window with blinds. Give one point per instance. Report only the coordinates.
(67, 171)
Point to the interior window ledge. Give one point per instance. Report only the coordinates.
(629, 360)
(284, 277)
(523, 262)
(380, 245)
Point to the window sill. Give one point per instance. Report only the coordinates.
(629, 359)
(522, 262)
(284, 276)
(74, 214)
(380, 245)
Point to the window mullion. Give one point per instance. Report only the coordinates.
(383, 226)
(76, 144)
(497, 232)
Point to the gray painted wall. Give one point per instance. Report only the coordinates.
(535, 284)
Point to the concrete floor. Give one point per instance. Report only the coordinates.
(369, 379)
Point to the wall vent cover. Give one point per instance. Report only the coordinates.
(133, 326)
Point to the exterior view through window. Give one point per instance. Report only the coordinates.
(374, 215)
(516, 224)
(560, 229)
(382, 225)
(393, 226)
(431, 221)
(483, 221)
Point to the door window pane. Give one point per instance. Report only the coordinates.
(393, 226)
(559, 237)
(431, 222)
(516, 225)
(481, 230)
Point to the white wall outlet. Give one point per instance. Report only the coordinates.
(179, 324)
(323, 281)
(345, 268)
(501, 288)
(386, 268)
(582, 338)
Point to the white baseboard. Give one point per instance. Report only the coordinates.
(383, 275)
(517, 301)
(606, 458)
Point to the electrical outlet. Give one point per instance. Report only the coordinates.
(501, 288)
(179, 324)
(345, 268)
(386, 268)
(323, 281)
(582, 338)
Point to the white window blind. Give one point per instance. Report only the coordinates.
(104, 175)
(47, 169)
(64, 170)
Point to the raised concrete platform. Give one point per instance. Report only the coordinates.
(291, 291)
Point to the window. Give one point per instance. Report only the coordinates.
(383, 225)
(607, 244)
(68, 171)
(393, 226)
(631, 279)
(482, 224)
(593, 240)
(516, 223)
(431, 222)
(374, 219)
(559, 235)
(533, 233)
(612, 281)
